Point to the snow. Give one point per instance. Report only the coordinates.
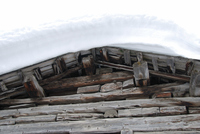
(35, 31)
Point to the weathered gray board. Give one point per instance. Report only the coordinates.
(81, 98)
(101, 107)
(144, 124)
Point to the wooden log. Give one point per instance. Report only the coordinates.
(12, 92)
(21, 106)
(78, 98)
(88, 89)
(194, 110)
(88, 64)
(162, 95)
(111, 86)
(128, 83)
(78, 116)
(137, 112)
(34, 119)
(173, 110)
(181, 91)
(32, 87)
(104, 70)
(101, 107)
(59, 76)
(144, 124)
(88, 80)
(7, 122)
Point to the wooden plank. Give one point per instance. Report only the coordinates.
(194, 110)
(101, 107)
(8, 113)
(34, 119)
(88, 89)
(144, 124)
(162, 95)
(173, 110)
(104, 70)
(137, 112)
(88, 80)
(78, 98)
(10, 121)
(126, 131)
(78, 116)
(111, 86)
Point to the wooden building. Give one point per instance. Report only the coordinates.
(103, 90)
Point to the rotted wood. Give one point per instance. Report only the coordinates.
(168, 123)
(113, 95)
(59, 65)
(88, 80)
(162, 95)
(156, 73)
(88, 64)
(59, 76)
(32, 87)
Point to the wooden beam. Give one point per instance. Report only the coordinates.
(32, 87)
(59, 76)
(152, 72)
(88, 64)
(144, 124)
(114, 95)
(88, 80)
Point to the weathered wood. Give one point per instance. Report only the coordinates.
(181, 90)
(111, 86)
(195, 84)
(59, 76)
(7, 122)
(33, 119)
(156, 73)
(128, 83)
(173, 110)
(171, 65)
(12, 92)
(78, 116)
(8, 113)
(144, 124)
(102, 106)
(162, 95)
(88, 64)
(127, 57)
(3, 86)
(21, 106)
(194, 110)
(78, 98)
(88, 89)
(104, 70)
(137, 112)
(32, 87)
(88, 80)
(155, 63)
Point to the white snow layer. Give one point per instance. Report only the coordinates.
(29, 45)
